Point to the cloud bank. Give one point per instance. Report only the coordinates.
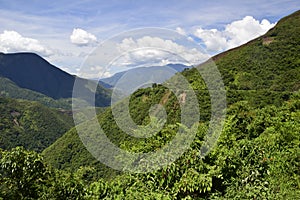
(12, 41)
(158, 51)
(234, 34)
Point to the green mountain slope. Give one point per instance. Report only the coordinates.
(30, 124)
(257, 157)
(265, 71)
(68, 153)
(11, 90)
(30, 71)
(269, 62)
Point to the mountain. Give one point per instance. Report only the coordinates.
(256, 155)
(164, 71)
(30, 124)
(30, 71)
(76, 156)
(269, 62)
(263, 72)
(9, 89)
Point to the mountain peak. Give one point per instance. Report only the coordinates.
(30, 71)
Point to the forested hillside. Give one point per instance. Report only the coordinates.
(234, 65)
(30, 124)
(11, 90)
(257, 155)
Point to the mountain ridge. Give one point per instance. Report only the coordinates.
(168, 70)
(30, 71)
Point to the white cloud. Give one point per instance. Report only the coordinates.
(153, 50)
(12, 41)
(94, 72)
(235, 34)
(180, 31)
(81, 37)
(213, 39)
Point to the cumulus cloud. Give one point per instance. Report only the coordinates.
(81, 37)
(213, 39)
(12, 41)
(154, 51)
(234, 34)
(180, 31)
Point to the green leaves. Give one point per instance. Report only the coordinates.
(257, 157)
(30, 124)
(22, 174)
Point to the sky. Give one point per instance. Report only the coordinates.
(67, 32)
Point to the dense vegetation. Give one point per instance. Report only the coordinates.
(257, 155)
(269, 62)
(31, 125)
(11, 90)
(258, 94)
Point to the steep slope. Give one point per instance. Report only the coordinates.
(32, 72)
(29, 124)
(265, 71)
(74, 155)
(11, 90)
(269, 62)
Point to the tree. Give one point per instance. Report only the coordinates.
(23, 174)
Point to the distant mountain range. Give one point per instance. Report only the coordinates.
(161, 73)
(30, 71)
(29, 76)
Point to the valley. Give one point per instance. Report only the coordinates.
(257, 155)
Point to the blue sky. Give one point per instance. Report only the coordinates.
(45, 27)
